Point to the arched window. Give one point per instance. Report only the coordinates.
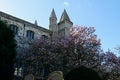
(30, 34)
(14, 28)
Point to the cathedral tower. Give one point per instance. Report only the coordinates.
(64, 25)
(53, 23)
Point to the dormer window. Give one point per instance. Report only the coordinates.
(14, 28)
(30, 34)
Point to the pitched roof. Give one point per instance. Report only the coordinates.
(64, 16)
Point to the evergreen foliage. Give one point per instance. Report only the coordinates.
(7, 51)
(82, 73)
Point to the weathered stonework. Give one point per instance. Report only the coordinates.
(62, 27)
(55, 29)
(25, 30)
(23, 26)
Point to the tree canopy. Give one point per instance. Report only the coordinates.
(81, 48)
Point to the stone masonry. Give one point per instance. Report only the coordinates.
(26, 31)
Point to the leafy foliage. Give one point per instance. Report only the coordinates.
(7, 51)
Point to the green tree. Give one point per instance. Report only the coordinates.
(7, 51)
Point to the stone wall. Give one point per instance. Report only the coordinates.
(23, 26)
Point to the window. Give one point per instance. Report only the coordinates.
(18, 71)
(30, 34)
(14, 29)
(44, 37)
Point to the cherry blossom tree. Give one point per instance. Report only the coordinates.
(110, 65)
(87, 45)
(82, 47)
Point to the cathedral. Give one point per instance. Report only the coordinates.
(26, 31)
(29, 30)
(62, 27)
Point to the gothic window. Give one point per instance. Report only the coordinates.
(14, 28)
(30, 34)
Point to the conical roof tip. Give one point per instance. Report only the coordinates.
(64, 16)
(53, 15)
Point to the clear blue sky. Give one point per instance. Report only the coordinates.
(104, 15)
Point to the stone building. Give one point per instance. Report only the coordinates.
(29, 30)
(62, 27)
(26, 31)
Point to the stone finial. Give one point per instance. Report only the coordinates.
(56, 75)
(36, 22)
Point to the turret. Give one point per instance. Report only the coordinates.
(53, 23)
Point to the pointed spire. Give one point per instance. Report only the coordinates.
(53, 15)
(64, 16)
(36, 22)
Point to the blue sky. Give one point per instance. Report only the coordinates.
(104, 15)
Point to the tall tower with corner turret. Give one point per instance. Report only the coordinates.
(62, 28)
